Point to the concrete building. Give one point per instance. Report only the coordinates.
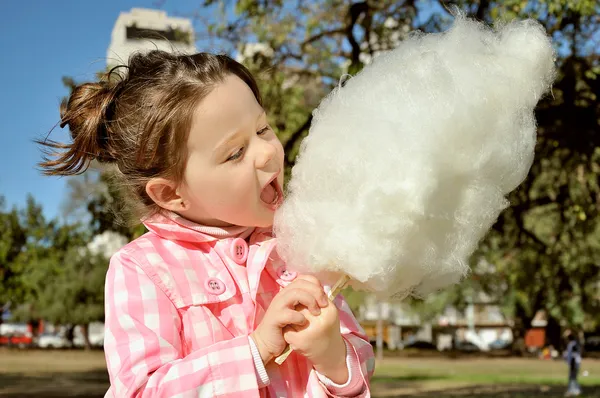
(144, 30)
(481, 323)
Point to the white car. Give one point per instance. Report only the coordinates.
(95, 334)
(96, 340)
(48, 340)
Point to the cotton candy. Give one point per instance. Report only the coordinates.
(408, 165)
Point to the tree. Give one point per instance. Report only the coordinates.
(97, 197)
(12, 240)
(47, 270)
(545, 247)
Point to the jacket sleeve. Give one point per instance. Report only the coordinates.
(360, 358)
(144, 345)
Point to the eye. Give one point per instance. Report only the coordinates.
(263, 130)
(236, 155)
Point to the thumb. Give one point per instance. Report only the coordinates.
(290, 335)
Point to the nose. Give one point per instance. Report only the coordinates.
(265, 153)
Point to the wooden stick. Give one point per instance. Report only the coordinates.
(335, 290)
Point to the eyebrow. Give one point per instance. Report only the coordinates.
(231, 137)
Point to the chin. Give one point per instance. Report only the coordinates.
(265, 222)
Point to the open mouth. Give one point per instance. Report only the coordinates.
(272, 194)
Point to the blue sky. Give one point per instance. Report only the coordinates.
(40, 42)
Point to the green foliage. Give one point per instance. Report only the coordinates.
(72, 293)
(97, 197)
(545, 247)
(13, 238)
(544, 250)
(47, 271)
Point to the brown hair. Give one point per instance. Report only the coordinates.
(139, 120)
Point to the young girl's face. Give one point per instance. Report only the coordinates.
(234, 172)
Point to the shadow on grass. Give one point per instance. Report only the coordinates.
(408, 377)
(92, 384)
(500, 391)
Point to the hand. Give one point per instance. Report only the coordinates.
(306, 291)
(320, 341)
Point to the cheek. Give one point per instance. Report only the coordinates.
(279, 147)
(233, 185)
(195, 180)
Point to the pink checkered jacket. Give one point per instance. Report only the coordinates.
(180, 306)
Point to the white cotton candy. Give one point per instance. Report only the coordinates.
(408, 165)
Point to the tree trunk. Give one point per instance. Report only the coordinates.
(553, 333)
(70, 334)
(85, 331)
(379, 344)
(522, 323)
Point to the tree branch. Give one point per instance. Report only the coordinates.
(354, 12)
(320, 35)
(482, 9)
(291, 142)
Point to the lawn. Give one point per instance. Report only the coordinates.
(46, 374)
(481, 377)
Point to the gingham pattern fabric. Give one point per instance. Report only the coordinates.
(169, 335)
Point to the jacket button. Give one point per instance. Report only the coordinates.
(215, 286)
(285, 275)
(238, 251)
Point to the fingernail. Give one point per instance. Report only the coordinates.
(317, 311)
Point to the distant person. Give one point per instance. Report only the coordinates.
(201, 304)
(573, 357)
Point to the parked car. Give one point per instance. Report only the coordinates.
(17, 340)
(420, 345)
(466, 346)
(592, 344)
(49, 340)
(499, 344)
(96, 340)
(95, 335)
(15, 335)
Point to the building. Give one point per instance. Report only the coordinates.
(144, 30)
(482, 323)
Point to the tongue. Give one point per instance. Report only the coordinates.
(268, 194)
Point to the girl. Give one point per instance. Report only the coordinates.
(201, 304)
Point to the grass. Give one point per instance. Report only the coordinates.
(482, 377)
(47, 374)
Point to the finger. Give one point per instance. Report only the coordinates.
(310, 278)
(295, 297)
(316, 290)
(289, 329)
(290, 334)
(291, 317)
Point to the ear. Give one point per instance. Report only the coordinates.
(164, 193)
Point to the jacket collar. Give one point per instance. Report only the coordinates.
(172, 226)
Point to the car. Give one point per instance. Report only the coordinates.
(499, 344)
(420, 345)
(466, 346)
(17, 340)
(592, 344)
(96, 340)
(49, 340)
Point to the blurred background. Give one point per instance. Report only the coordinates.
(501, 333)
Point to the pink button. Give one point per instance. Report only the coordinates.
(238, 251)
(215, 286)
(286, 275)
